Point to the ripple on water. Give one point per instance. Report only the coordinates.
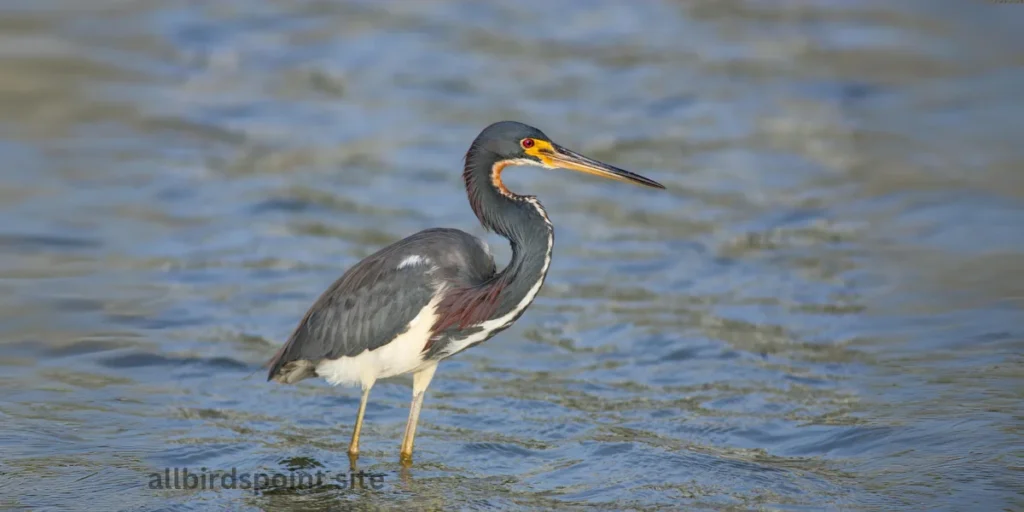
(821, 311)
(142, 360)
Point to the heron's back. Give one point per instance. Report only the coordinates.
(377, 298)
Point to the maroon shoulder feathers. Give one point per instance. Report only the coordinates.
(463, 307)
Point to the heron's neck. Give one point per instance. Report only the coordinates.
(532, 238)
(520, 219)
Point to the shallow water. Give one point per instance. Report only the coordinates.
(823, 311)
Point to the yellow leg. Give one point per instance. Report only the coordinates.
(420, 381)
(353, 447)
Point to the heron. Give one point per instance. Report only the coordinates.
(432, 295)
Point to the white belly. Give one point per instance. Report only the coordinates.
(402, 355)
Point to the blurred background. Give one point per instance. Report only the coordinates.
(823, 311)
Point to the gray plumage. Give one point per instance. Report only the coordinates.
(437, 293)
(374, 301)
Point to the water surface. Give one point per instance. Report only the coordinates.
(823, 311)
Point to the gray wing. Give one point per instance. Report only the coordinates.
(376, 299)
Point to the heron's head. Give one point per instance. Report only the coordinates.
(511, 143)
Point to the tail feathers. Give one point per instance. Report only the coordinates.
(288, 372)
(294, 371)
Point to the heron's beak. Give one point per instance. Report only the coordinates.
(565, 159)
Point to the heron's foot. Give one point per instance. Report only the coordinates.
(353, 457)
(405, 458)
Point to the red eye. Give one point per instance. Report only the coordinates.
(526, 143)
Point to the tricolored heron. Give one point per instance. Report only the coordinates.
(436, 293)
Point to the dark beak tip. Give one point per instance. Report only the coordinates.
(654, 184)
(647, 182)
